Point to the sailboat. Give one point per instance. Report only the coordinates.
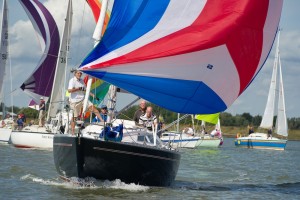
(49, 72)
(175, 54)
(176, 139)
(6, 124)
(263, 140)
(213, 139)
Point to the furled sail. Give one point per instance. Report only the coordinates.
(41, 80)
(3, 47)
(192, 57)
(58, 91)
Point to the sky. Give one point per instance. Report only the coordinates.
(25, 52)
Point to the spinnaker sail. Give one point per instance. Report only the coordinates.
(39, 84)
(186, 56)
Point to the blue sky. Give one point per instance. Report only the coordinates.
(25, 53)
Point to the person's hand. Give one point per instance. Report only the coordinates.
(81, 88)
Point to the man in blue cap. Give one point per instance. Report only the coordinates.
(103, 114)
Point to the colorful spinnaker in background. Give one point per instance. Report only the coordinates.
(193, 57)
(99, 88)
(95, 5)
(39, 84)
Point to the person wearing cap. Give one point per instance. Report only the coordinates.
(42, 108)
(76, 89)
(103, 114)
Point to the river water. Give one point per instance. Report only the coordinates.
(224, 173)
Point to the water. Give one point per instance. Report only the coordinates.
(224, 173)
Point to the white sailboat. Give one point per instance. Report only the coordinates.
(6, 124)
(262, 140)
(214, 138)
(42, 137)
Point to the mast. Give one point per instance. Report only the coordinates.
(97, 36)
(267, 120)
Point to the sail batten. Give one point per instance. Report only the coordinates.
(40, 81)
(186, 56)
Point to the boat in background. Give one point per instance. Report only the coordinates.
(179, 140)
(213, 139)
(145, 51)
(264, 140)
(47, 79)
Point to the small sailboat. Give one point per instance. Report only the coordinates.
(263, 140)
(174, 54)
(176, 139)
(48, 78)
(6, 124)
(213, 139)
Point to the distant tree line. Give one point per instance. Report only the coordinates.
(226, 119)
(28, 112)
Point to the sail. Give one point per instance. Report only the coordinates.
(267, 119)
(40, 81)
(95, 6)
(282, 127)
(3, 48)
(58, 91)
(211, 118)
(34, 105)
(98, 88)
(185, 56)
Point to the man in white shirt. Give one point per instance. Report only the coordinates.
(76, 89)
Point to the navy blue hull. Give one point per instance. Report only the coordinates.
(131, 163)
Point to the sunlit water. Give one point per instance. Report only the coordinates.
(224, 173)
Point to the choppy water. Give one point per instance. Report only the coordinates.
(224, 173)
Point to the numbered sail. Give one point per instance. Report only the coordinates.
(185, 56)
(58, 89)
(40, 81)
(3, 48)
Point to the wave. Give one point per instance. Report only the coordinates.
(90, 183)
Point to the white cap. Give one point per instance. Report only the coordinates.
(42, 98)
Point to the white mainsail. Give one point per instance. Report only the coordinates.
(3, 48)
(58, 92)
(267, 119)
